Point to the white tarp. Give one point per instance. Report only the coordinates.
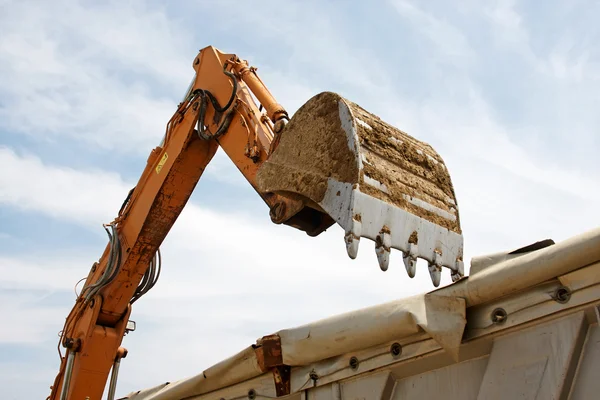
(443, 318)
(441, 314)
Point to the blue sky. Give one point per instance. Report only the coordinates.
(505, 91)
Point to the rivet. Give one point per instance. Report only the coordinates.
(396, 349)
(562, 295)
(499, 316)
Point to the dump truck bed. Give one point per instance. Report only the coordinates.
(524, 324)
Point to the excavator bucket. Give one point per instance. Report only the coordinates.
(372, 179)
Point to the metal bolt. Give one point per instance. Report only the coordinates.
(251, 394)
(353, 363)
(499, 316)
(279, 125)
(562, 294)
(314, 376)
(396, 349)
(277, 213)
(72, 344)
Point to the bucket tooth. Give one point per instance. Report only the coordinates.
(435, 271)
(352, 237)
(383, 256)
(435, 268)
(460, 267)
(410, 259)
(382, 249)
(459, 272)
(410, 264)
(455, 276)
(352, 242)
(355, 170)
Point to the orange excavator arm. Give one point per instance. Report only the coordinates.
(334, 162)
(219, 100)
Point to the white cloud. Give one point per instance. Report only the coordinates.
(470, 129)
(87, 72)
(60, 192)
(29, 320)
(322, 57)
(51, 272)
(449, 41)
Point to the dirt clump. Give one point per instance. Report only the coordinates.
(396, 168)
(406, 167)
(313, 147)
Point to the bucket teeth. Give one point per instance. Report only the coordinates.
(414, 237)
(401, 230)
(385, 241)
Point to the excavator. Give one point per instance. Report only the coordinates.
(332, 162)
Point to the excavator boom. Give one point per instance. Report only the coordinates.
(332, 162)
